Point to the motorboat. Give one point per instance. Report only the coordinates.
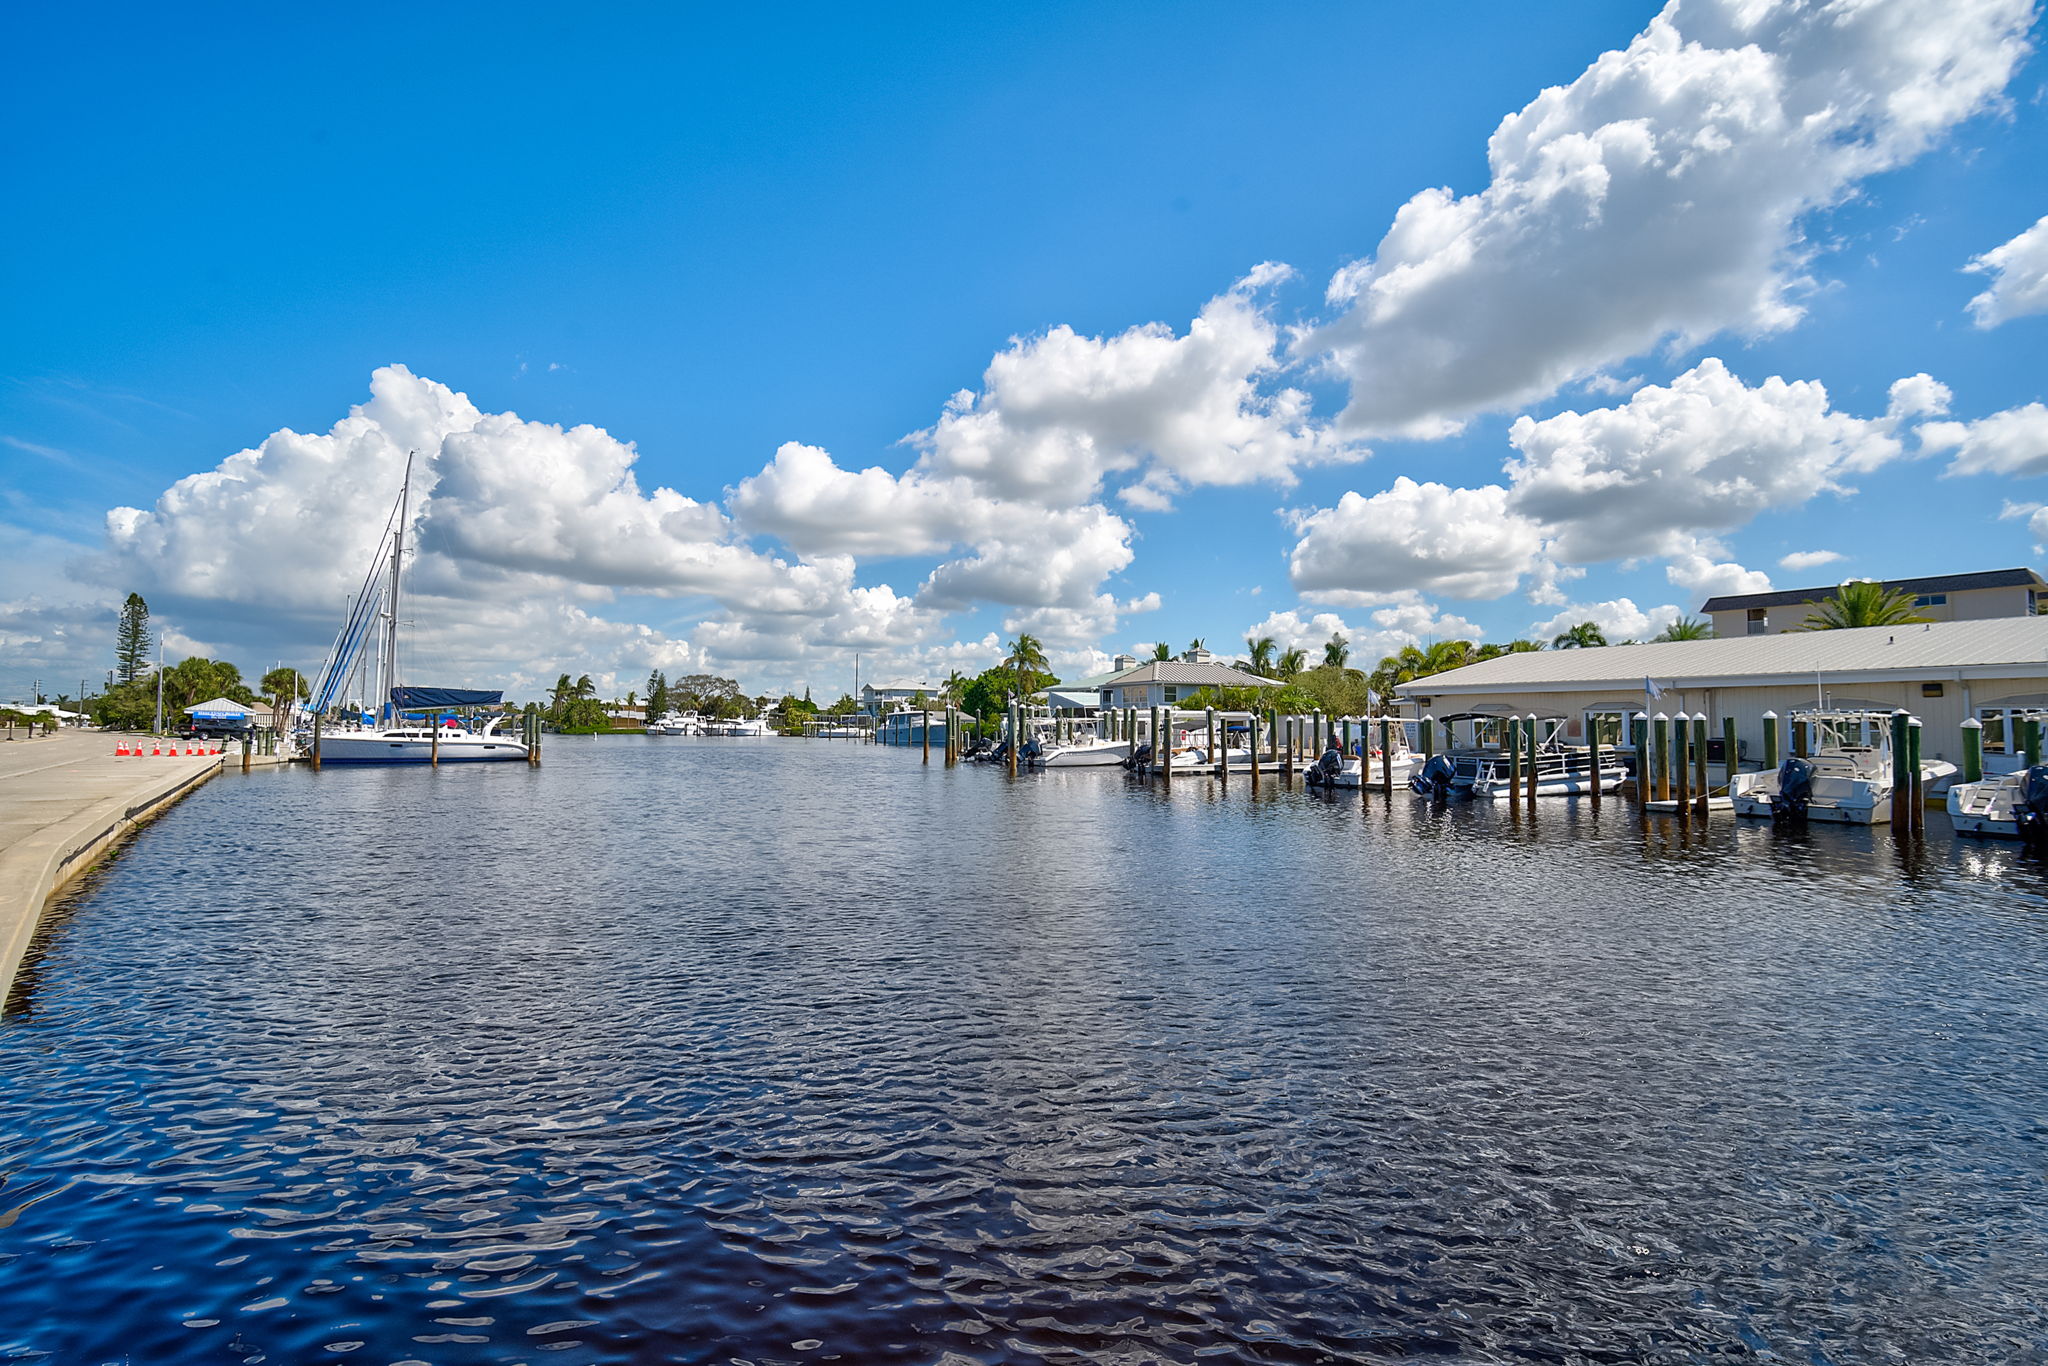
(1337, 769)
(1084, 748)
(1846, 777)
(2010, 806)
(677, 723)
(739, 730)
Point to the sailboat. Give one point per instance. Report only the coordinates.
(393, 739)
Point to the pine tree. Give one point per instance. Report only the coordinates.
(131, 638)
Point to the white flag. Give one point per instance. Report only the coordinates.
(1650, 687)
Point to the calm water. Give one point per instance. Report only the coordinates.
(774, 1051)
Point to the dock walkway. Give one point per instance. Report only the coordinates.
(64, 798)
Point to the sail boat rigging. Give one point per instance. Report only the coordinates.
(395, 740)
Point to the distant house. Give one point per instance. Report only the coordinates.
(1944, 597)
(876, 698)
(1164, 683)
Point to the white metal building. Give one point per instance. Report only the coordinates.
(1942, 672)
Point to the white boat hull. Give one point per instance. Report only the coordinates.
(1107, 755)
(1404, 768)
(1990, 808)
(385, 747)
(1552, 784)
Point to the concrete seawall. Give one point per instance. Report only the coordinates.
(64, 799)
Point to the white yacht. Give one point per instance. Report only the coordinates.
(419, 744)
(373, 615)
(677, 723)
(1561, 771)
(1847, 778)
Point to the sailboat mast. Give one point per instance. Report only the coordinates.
(390, 670)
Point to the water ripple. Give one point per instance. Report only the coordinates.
(774, 1052)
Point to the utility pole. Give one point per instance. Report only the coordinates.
(158, 729)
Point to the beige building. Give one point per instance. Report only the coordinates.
(1945, 597)
(1942, 672)
(1164, 683)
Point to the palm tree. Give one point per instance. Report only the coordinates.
(1027, 654)
(1524, 647)
(1261, 648)
(1860, 602)
(1291, 663)
(1687, 628)
(1197, 643)
(1162, 651)
(1584, 636)
(1336, 652)
(955, 681)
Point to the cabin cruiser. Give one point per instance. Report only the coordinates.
(739, 729)
(1847, 778)
(2011, 806)
(677, 723)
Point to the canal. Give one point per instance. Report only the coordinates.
(780, 1051)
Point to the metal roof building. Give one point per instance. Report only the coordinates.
(1162, 682)
(1942, 672)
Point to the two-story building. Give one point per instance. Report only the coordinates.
(1944, 597)
(876, 698)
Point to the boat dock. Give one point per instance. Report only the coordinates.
(65, 798)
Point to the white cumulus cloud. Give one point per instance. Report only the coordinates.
(1660, 195)
(2013, 442)
(1701, 455)
(2019, 278)
(1618, 619)
(1428, 537)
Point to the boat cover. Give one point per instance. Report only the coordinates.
(219, 709)
(425, 699)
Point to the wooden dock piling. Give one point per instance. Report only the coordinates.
(1534, 728)
(1770, 741)
(1973, 750)
(1511, 735)
(1902, 785)
(1730, 744)
(1386, 757)
(1914, 774)
(1593, 755)
(1699, 761)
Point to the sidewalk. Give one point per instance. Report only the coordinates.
(64, 798)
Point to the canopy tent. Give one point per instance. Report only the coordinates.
(428, 699)
(219, 709)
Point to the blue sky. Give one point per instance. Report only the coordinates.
(712, 235)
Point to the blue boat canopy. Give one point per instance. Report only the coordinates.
(426, 699)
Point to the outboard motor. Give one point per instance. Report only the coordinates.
(1031, 750)
(2031, 811)
(1434, 781)
(1795, 790)
(1325, 770)
(1140, 757)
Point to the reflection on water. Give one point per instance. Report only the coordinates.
(775, 1051)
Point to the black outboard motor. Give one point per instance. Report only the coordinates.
(1434, 781)
(2031, 811)
(1030, 751)
(1325, 770)
(1795, 790)
(1140, 757)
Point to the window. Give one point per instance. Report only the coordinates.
(1931, 600)
(1610, 728)
(1172, 694)
(1759, 621)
